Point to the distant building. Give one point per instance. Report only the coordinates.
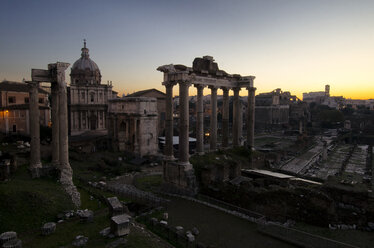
(14, 107)
(132, 125)
(272, 108)
(88, 98)
(160, 96)
(324, 98)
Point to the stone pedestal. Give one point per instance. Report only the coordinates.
(179, 178)
(120, 225)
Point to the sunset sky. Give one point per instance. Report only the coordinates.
(298, 45)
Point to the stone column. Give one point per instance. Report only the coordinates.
(225, 118)
(183, 148)
(200, 120)
(34, 115)
(251, 117)
(236, 117)
(55, 126)
(66, 173)
(168, 152)
(213, 119)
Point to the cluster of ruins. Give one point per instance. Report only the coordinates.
(60, 146)
(203, 73)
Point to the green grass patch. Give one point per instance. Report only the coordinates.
(148, 182)
(26, 204)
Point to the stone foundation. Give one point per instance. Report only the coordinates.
(179, 178)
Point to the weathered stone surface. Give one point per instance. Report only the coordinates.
(85, 215)
(105, 232)
(195, 231)
(120, 225)
(7, 236)
(115, 206)
(190, 237)
(164, 223)
(48, 228)
(14, 243)
(80, 241)
(179, 229)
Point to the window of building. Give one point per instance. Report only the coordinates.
(41, 100)
(12, 99)
(83, 95)
(27, 100)
(92, 95)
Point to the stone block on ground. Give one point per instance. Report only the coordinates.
(85, 215)
(120, 224)
(115, 206)
(164, 223)
(195, 231)
(80, 241)
(7, 236)
(48, 228)
(105, 232)
(190, 237)
(14, 243)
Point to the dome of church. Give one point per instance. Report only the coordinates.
(85, 70)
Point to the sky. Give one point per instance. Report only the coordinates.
(296, 45)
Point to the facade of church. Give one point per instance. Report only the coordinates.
(88, 98)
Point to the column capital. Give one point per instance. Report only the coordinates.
(225, 89)
(236, 89)
(199, 86)
(185, 83)
(213, 87)
(251, 88)
(168, 84)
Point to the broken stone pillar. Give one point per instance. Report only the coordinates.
(213, 119)
(55, 126)
(225, 118)
(66, 173)
(35, 163)
(169, 121)
(236, 117)
(200, 120)
(251, 117)
(183, 148)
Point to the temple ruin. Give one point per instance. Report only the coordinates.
(203, 73)
(60, 147)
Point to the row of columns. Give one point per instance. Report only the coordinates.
(60, 145)
(184, 119)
